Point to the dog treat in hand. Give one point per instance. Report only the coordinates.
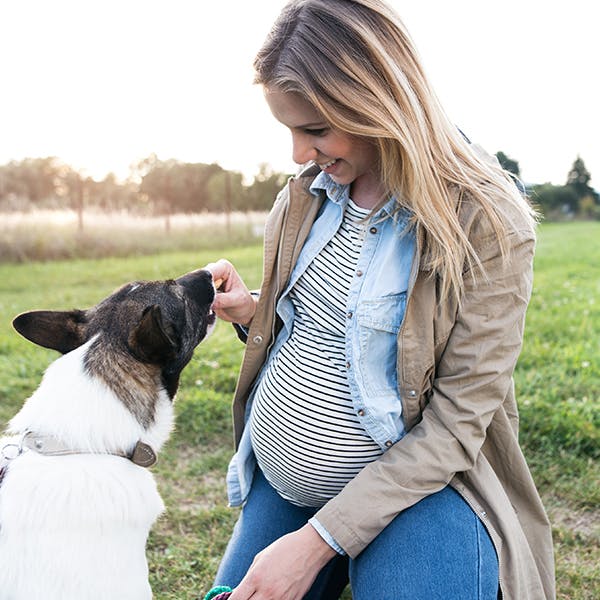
(218, 283)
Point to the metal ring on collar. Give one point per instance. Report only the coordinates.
(11, 451)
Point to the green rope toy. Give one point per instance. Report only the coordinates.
(221, 592)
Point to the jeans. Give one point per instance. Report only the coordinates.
(437, 549)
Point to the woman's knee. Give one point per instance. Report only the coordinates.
(437, 548)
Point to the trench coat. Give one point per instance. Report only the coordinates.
(455, 363)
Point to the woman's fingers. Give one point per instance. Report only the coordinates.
(233, 302)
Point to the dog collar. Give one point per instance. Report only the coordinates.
(143, 455)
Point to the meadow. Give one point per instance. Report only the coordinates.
(557, 381)
(58, 234)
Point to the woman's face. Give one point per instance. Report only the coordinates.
(344, 157)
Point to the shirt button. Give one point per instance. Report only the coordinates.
(359, 273)
(389, 444)
(349, 315)
(373, 230)
(361, 413)
(348, 365)
(257, 339)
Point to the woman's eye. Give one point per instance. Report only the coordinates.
(316, 132)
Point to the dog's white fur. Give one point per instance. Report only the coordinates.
(79, 523)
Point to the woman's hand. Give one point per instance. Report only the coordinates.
(287, 568)
(233, 302)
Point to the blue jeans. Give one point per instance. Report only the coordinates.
(437, 549)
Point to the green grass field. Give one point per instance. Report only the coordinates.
(557, 379)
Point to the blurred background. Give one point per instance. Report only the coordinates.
(147, 108)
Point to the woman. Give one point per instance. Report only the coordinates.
(375, 418)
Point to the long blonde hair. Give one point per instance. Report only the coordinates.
(356, 64)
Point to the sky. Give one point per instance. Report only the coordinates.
(102, 84)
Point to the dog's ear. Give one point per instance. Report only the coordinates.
(154, 339)
(58, 330)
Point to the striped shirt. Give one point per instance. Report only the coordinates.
(306, 437)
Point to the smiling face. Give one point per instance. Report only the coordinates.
(346, 159)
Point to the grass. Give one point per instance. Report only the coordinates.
(558, 383)
(557, 380)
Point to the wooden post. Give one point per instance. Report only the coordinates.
(228, 204)
(79, 195)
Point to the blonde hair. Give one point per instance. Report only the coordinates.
(356, 64)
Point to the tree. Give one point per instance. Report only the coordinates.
(173, 186)
(156, 184)
(579, 180)
(226, 192)
(190, 184)
(34, 180)
(589, 208)
(75, 187)
(555, 198)
(508, 164)
(265, 187)
(112, 195)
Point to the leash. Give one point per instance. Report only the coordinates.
(221, 592)
(143, 455)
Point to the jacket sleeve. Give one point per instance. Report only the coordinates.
(242, 330)
(471, 381)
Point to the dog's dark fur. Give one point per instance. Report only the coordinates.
(108, 395)
(149, 332)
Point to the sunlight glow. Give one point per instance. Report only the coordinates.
(104, 84)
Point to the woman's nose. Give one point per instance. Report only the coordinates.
(303, 149)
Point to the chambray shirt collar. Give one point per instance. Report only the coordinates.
(340, 194)
(335, 192)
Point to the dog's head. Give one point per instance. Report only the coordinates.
(157, 323)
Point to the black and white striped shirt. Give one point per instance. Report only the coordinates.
(306, 437)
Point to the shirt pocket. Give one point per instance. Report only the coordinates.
(379, 322)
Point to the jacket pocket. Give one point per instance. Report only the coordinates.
(379, 322)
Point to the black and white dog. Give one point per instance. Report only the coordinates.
(76, 501)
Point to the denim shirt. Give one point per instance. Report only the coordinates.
(375, 310)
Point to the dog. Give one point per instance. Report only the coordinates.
(76, 498)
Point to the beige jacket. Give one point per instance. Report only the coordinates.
(455, 367)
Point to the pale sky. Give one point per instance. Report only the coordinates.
(102, 84)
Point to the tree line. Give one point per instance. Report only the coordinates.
(154, 187)
(575, 198)
(166, 187)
